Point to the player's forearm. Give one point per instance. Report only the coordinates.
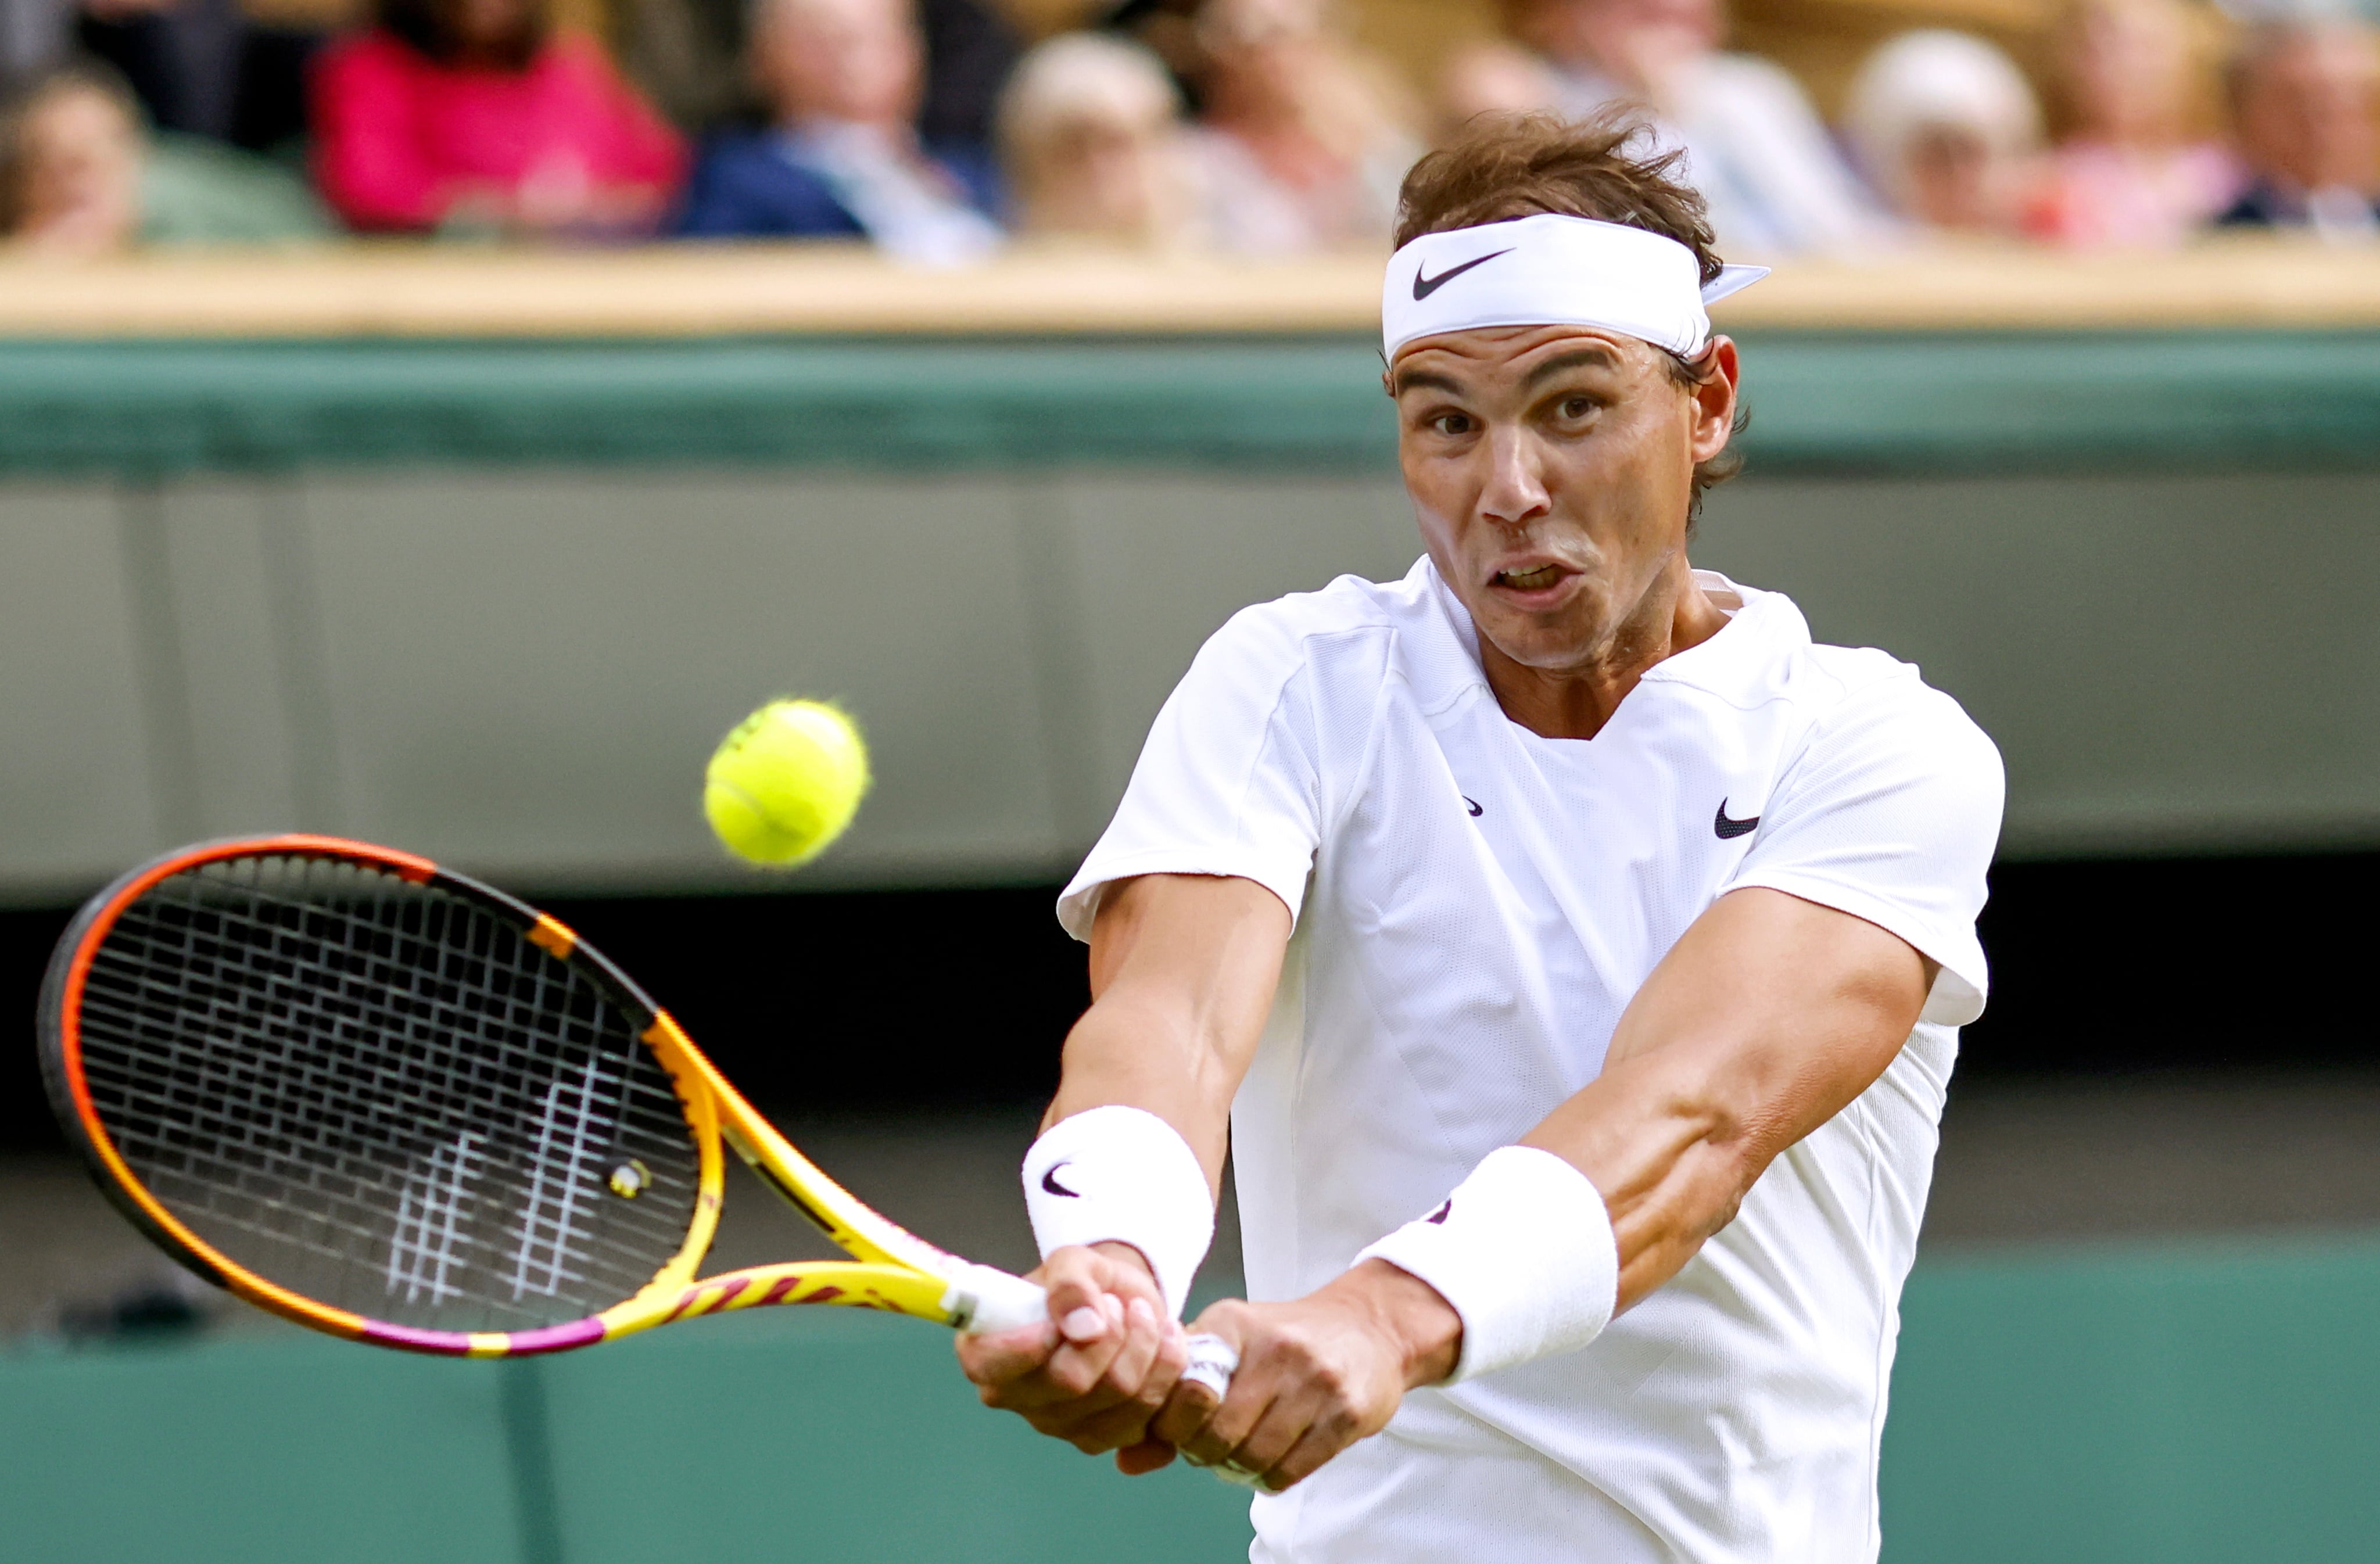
(1768, 1017)
(1671, 1153)
(1183, 973)
(1129, 1051)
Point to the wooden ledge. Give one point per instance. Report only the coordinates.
(406, 290)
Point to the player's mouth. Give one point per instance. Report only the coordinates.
(1533, 585)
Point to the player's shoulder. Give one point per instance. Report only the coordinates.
(1867, 710)
(1291, 631)
(1863, 697)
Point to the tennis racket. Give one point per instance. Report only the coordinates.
(388, 1102)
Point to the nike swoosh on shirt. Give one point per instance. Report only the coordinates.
(1049, 1182)
(1729, 830)
(1425, 286)
(1473, 805)
(1441, 1214)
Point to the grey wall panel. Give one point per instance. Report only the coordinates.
(1161, 560)
(523, 672)
(229, 558)
(527, 673)
(2166, 663)
(79, 773)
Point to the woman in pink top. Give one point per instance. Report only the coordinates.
(2130, 174)
(467, 113)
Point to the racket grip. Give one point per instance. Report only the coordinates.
(1001, 1301)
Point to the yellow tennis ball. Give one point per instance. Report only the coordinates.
(786, 783)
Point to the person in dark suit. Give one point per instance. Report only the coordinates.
(2305, 96)
(839, 157)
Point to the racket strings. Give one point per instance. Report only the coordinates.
(383, 1097)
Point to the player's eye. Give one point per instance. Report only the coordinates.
(1452, 423)
(1574, 408)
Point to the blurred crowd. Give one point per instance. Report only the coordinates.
(927, 129)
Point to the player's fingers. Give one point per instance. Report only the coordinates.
(1143, 1341)
(1076, 1279)
(1149, 1455)
(1191, 1403)
(1079, 1366)
(1164, 1372)
(1228, 1425)
(1291, 1411)
(997, 1360)
(1321, 1440)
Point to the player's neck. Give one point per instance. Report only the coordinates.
(1575, 700)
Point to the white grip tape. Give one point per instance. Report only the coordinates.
(1117, 1174)
(1212, 1363)
(1523, 1251)
(1213, 1360)
(1000, 1301)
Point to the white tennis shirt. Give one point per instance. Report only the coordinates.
(1476, 906)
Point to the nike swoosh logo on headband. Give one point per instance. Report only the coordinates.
(1425, 286)
(1049, 1182)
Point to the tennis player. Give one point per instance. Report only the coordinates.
(1570, 949)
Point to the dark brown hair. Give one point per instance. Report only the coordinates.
(428, 26)
(1500, 166)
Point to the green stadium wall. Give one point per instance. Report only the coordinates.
(2206, 1404)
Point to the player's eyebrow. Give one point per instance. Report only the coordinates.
(1409, 379)
(1594, 356)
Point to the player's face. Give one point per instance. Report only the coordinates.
(1551, 468)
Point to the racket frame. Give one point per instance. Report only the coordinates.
(892, 1269)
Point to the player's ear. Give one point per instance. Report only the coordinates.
(1714, 397)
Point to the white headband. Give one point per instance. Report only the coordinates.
(1554, 271)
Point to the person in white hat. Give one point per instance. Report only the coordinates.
(1570, 951)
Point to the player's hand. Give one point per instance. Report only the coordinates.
(1315, 1375)
(1099, 1369)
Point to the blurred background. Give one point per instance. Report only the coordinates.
(437, 421)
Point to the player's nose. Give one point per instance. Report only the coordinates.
(1514, 488)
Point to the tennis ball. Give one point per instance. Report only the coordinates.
(786, 783)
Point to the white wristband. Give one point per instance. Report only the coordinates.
(1523, 1251)
(1120, 1175)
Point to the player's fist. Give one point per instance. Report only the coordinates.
(1102, 1365)
(1315, 1375)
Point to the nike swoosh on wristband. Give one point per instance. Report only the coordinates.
(1729, 830)
(1425, 286)
(1049, 1182)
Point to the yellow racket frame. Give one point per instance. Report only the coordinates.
(891, 1269)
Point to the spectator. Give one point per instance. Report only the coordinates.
(1946, 126)
(1090, 139)
(1498, 79)
(2128, 172)
(2305, 98)
(204, 67)
(467, 115)
(1754, 147)
(79, 177)
(1301, 146)
(840, 156)
(686, 52)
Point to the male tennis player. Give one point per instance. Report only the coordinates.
(1575, 949)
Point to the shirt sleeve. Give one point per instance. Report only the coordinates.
(1891, 814)
(1228, 783)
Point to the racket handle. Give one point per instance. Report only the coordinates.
(1001, 1301)
(1213, 1360)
